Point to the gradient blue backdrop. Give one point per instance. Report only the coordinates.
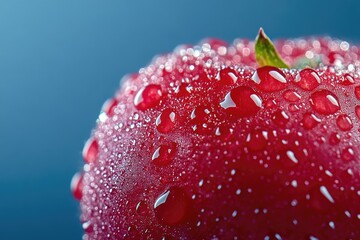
(61, 59)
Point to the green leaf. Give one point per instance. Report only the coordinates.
(266, 54)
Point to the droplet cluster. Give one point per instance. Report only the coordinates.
(204, 144)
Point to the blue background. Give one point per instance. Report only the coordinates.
(61, 59)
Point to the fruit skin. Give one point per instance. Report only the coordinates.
(282, 168)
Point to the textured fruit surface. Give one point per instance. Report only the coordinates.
(204, 143)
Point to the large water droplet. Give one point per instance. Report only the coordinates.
(291, 96)
(88, 227)
(293, 107)
(347, 80)
(309, 121)
(165, 122)
(357, 111)
(172, 207)
(141, 208)
(324, 102)
(357, 92)
(269, 79)
(90, 150)
(280, 118)
(164, 155)
(227, 76)
(334, 138)
(148, 97)
(348, 154)
(109, 106)
(343, 121)
(308, 79)
(242, 102)
(76, 185)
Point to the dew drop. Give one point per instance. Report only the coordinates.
(343, 121)
(326, 194)
(109, 106)
(280, 118)
(163, 155)
(293, 107)
(357, 111)
(269, 79)
(88, 227)
(291, 156)
(172, 207)
(334, 138)
(321, 199)
(223, 131)
(141, 208)
(200, 120)
(242, 102)
(324, 102)
(148, 97)
(291, 96)
(90, 150)
(227, 76)
(308, 79)
(347, 80)
(309, 121)
(183, 90)
(357, 92)
(76, 185)
(165, 122)
(347, 154)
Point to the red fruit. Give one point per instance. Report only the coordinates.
(207, 144)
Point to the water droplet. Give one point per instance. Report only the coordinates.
(90, 150)
(165, 122)
(257, 140)
(76, 185)
(334, 138)
(321, 199)
(88, 227)
(347, 154)
(141, 208)
(242, 102)
(227, 76)
(291, 156)
(200, 120)
(109, 106)
(343, 121)
(163, 155)
(291, 96)
(269, 79)
(270, 103)
(324, 102)
(273, 236)
(148, 97)
(183, 90)
(357, 92)
(347, 80)
(280, 118)
(223, 131)
(357, 111)
(309, 121)
(293, 107)
(326, 194)
(172, 207)
(308, 79)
